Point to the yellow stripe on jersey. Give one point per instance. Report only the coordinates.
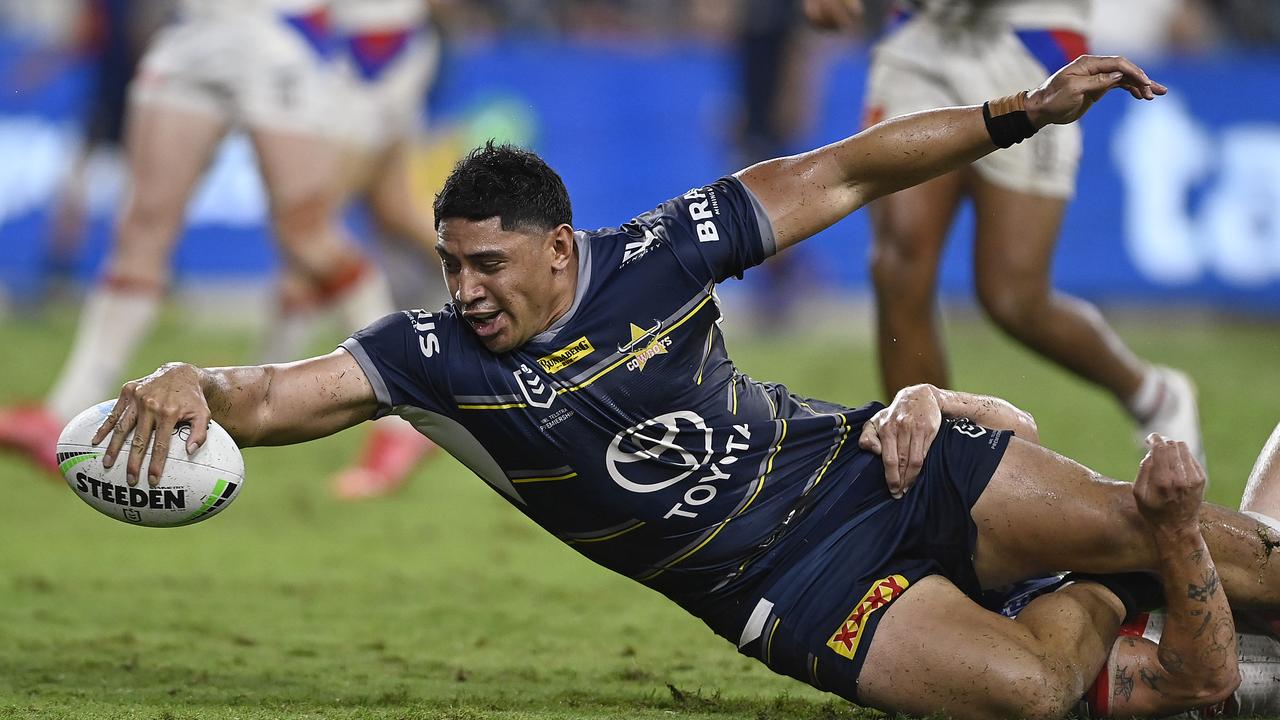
(768, 643)
(566, 476)
(844, 435)
(620, 533)
(503, 406)
(706, 355)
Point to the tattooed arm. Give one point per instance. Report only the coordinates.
(1195, 662)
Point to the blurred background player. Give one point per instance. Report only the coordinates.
(957, 52)
(389, 54)
(113, 33)
(258, 64)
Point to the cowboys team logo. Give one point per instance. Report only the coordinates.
(845, 640)
(644, 345)
(677, 442)
(536, 391)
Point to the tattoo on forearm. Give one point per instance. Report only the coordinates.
(1171, 660)
(1123, 683)
(1202, 593)
(1208, 617)
(1197, 555)
(1152, 679)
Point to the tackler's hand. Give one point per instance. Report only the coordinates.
(902, 433)
(1068, 93)
(154, 406)
(1170, 485)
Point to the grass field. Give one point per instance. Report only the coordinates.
(443, 602)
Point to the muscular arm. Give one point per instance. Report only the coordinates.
(291, 402)
(1195, 662)
(902, 432)
(262, 405)
(1262, 493)
(806, 193)
(988, 411)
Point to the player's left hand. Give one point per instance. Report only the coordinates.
(902, 433)
(1068, 93)
(1169, 488)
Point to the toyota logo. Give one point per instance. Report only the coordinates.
(655, 440)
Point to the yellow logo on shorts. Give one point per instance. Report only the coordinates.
(567, 355)
(845, 640)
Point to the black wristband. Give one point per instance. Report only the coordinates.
(1140, 592)
(1008, 122)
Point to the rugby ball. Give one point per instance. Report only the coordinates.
(192, 488)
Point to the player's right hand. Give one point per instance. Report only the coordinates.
(902, 433)
(1170, 485)
(153, 406)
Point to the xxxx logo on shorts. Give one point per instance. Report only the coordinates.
(845, 640)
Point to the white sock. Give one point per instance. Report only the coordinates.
(1264, 519)
(368, 299)
(1144, 401)
(112, 323)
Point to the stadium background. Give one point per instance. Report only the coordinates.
(442, 602)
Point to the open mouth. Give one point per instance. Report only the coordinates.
(484, 323)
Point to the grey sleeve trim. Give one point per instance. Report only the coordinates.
(767, 238)
(380, 391)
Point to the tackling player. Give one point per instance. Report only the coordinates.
(583, 376)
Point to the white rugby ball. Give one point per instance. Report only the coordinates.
(192, 488)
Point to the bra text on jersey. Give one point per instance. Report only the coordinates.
(701, 210)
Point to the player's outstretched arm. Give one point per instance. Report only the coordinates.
(1195, 662)
(804, 194)
(902, 432)
(258, 405)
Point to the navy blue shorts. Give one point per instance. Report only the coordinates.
(813, 617)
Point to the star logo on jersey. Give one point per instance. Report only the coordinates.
(884, 591)
(536, 391)
(645, 345)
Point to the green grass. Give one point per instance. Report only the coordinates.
(443, 602)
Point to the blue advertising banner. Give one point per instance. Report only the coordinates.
(1178, 201)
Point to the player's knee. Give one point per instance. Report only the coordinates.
(900, 266)
(302, 218)
(1014, 307)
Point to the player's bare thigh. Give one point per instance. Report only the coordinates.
(938, 651)
(1043, 513)
(168, 148)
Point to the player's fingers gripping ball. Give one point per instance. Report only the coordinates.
(192, 488)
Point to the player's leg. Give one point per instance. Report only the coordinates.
(909, 227)
(1042, 513)
(1016, 236)
(936, 651)
(1261, 497)
(908, 231)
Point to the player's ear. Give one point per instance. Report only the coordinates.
(562, 247)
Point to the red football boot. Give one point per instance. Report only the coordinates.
(389, 456)
(32, 431)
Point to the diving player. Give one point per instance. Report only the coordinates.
(583, 376)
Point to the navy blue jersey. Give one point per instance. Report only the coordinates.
(624, 429)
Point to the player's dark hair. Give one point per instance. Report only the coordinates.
(507, 182)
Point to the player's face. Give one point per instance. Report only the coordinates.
(509, 285)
